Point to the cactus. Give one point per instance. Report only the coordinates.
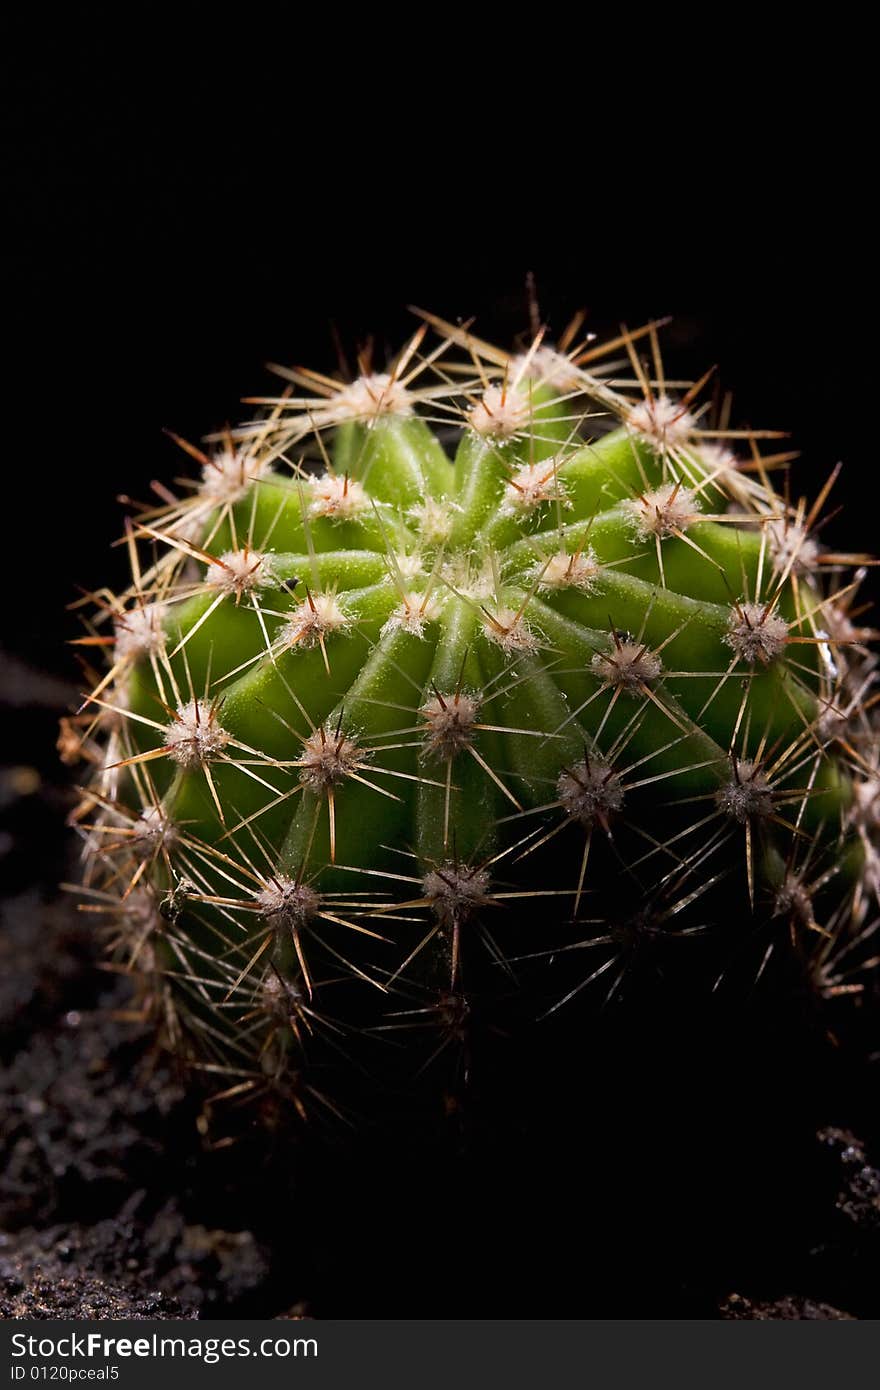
(484, 676)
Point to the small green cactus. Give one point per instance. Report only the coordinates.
(482, 672)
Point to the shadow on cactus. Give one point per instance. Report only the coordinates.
(484, 680)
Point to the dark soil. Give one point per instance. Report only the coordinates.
(697, 1162)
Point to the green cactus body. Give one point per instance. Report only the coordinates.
(374, 682)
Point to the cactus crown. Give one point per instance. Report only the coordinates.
(478, 632)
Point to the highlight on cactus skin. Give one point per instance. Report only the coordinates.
(485, 675)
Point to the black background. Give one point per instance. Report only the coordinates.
(171, 229)
(175, 222)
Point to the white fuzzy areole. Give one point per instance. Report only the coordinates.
(434, 519)
(315, 618)
(628, 665)
(664, 423)
(281, 998)
(408, 566)
(590, 791)
(563, 571)
(450, 721)
(508, 629)
(414, 612)
(472, 578)
(139, 631)
(663, 511)
(746, 794)
(195, 737)
(532, 485)
(328, 759)
(293, 904)
(339, 498)
(547, 366)
(230, 473)
(154, 830)
(368, 397)
(756, 634)
(501, 413)
(239, 572)
(455, 891)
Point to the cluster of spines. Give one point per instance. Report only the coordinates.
(317, 772)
